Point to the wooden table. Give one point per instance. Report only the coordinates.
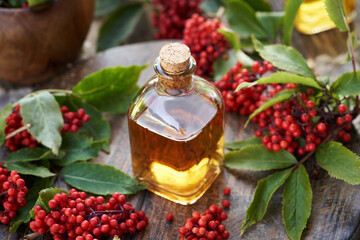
(336, 204)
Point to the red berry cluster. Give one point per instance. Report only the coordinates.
(73, 120)
(76, 216)
(21, 139)
(13, 191)
(246, 100)
(205, 42)
(205, 226)
(171, 15)
(289, 121)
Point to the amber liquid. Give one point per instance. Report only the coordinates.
(177, 147)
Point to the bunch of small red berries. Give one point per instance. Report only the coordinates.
(12, 194)
(21, 139)
(171, 15)
(299, 118)
(73, 120)
(246, 100)
(205, 226)
(76, 216)
(205, 42)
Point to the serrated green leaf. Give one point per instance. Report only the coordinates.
(103, 7)
(97, 128)
(43, 113)
(33, 3)
(232, 37)
(240, 144)
(100, 179)
(110, 89)
(337, 14)
(291, 10)
(222, 66)
(271, 22)
(296, 203)
(5, 112)
(258, 158)
(339, 161)
(27, 168)
(281, 77)
(23, 213)
(29, 155)
(347, 84)
(285, 58)
(118, 25)
(259, 5)
(264, 190)
(242, 19)
(211, 6)
(279, 97)
(77, 148)
(45, 196)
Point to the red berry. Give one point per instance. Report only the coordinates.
(342, 108)
(321, 127)
(227, 191)
(169, 217)
(226, 204)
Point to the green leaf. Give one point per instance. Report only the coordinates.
(110, 89)
(33, 3)
(27, 168)
(286, 58)
(258, 158)
(118, 25)
(337, 14)
(291, 10)
(222, 66)
(259, 5)
(243, 58)
(347, 84)
(23, 214)
(211, 6)
(77, 148)
(43, 113)
(16, 3)
(103, 7)
(242, 19)
(339, 161)
(45, 196)
(279, 97)
(271, 22)
(282, 77)
(324, 79)
(99, 179)
(296, 203)
(264, 190)
(240, 144)
(5, 112)
(232, 37)
(29, 154)
(97, 128)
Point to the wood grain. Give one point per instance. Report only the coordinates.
(36, 45)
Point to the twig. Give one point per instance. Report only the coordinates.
(23, 128)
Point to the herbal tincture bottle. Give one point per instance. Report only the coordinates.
(176, 129)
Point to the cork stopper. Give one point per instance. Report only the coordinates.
(175, 58)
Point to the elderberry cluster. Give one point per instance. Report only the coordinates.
(205, 42)
(205, 226)
(21, 139)
(247, 100)
(292, 125)
(77, 216)
(171, 15)
(12, 197)
(73, 120)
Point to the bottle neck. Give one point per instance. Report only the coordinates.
(174, 84)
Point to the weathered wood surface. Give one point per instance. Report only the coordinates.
(336, 204)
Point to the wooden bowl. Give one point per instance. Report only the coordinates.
(35, 45)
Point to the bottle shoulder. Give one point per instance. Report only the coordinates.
(179, 116)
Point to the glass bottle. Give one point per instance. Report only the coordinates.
(176, 129)
(313, 18)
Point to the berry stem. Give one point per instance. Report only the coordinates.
(31, 236)
(23, 128)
